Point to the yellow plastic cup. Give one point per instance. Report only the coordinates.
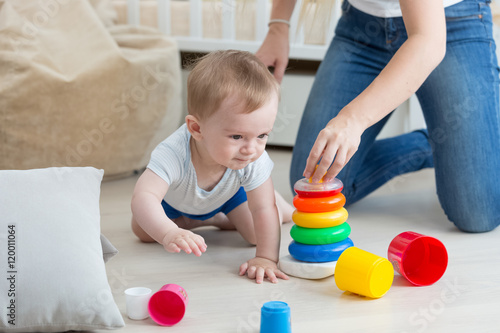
(363, 273)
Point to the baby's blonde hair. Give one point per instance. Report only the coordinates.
(221, 74)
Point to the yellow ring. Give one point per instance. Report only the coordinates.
(320, 220)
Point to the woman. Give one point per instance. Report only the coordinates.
(383, 52)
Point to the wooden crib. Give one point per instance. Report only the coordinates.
(201, 26)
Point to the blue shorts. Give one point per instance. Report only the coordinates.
(237, 199)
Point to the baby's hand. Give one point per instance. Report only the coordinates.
(180, 239)
(258, 268)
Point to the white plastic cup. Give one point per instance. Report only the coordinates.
(137, 300)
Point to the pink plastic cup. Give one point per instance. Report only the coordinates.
(168, 305)
(421, 259)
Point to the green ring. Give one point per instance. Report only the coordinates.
(320, 236)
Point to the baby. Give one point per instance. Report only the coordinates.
(214, 170)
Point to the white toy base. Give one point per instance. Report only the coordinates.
(306, 270)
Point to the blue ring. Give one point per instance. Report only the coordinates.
(318, 253)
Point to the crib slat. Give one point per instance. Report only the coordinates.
(196, 19)
(189, 44)
(195, 42)
(262, 14)
(164, 17)
(228, 16)
(296, 36)
(337, 12)
(133, 12)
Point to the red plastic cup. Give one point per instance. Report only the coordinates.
(168, 305)
(421, 259)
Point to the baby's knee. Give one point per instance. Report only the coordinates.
(252, 240)
(140, 233)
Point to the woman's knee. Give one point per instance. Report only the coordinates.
(468, 219)
(473, 206)
(475, 226)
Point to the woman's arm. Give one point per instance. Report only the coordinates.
(410, 66)
(276, 46)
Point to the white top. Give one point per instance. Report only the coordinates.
(171, 160)
(386, 8)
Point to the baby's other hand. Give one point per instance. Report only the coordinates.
(258, 268)
(180, 239)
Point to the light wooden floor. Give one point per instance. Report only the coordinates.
(466, 298)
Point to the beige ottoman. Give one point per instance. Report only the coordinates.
(76, 93)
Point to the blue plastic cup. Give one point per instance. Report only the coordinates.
(275, 317)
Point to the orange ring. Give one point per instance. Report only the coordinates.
(319, 205)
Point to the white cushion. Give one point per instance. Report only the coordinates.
(52, 253)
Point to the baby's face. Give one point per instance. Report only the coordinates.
(235, 139)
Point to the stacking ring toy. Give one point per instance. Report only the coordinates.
(320, 236)
(320, 220)
(319, 205)
(318, 253)
(317, 190)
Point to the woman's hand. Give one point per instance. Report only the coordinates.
(275, 49)
(336, 144)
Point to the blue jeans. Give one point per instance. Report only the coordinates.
(460, 102)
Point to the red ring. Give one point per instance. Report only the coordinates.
(318, 194)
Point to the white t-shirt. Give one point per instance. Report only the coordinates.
(171, 160)
(386, 8)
